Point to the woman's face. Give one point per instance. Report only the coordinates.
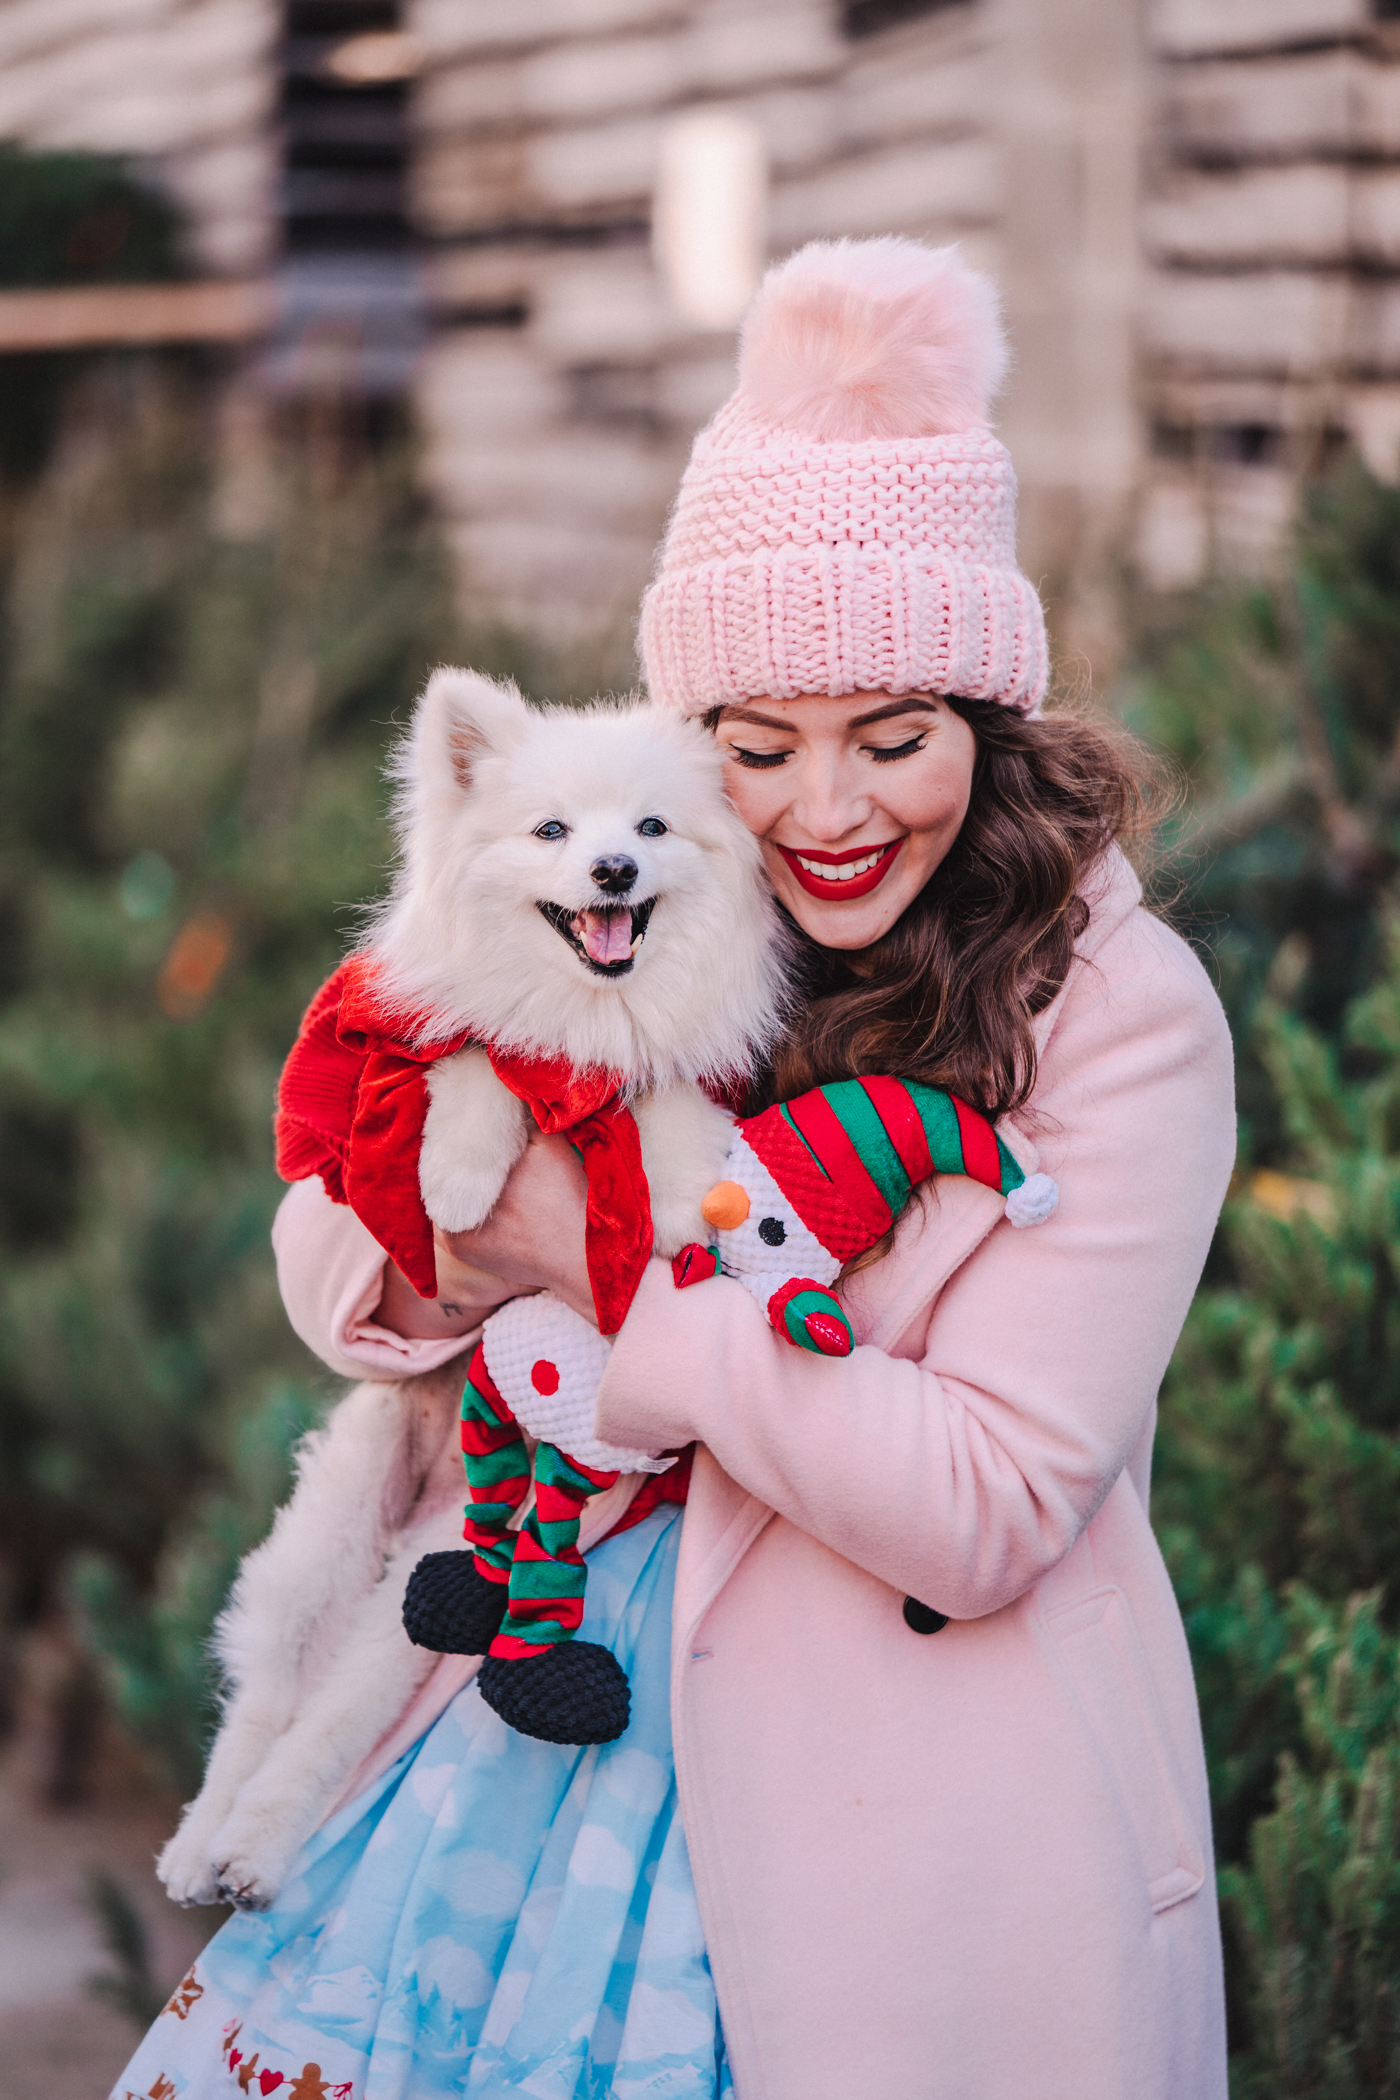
(855, 800)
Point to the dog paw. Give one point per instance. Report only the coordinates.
(250, 1860)
(185, 1871)
(474, 1132)
(458, 1200)
(248, 1884)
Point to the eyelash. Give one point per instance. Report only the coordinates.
(765, 761)
(893, 751)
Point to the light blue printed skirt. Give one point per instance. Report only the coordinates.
(494, 1916)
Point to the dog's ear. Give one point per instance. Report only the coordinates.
(461, 717)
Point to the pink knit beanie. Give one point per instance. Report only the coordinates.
(847, 523)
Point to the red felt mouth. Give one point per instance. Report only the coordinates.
(858, 885)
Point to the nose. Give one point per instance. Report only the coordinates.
(614, 872)
(831, 800)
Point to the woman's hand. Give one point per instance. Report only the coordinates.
(532, 1241)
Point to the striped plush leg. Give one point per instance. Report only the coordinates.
(537, 1676)
(548, 1574)
(455, 1602)
(498, 1471)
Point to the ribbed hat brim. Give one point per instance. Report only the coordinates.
(843, 618)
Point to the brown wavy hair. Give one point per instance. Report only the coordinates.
(949, 994)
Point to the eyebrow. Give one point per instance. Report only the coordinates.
(877, 714)
(895, 707)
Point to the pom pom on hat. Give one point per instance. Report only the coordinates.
(852, 340)
(847, 523)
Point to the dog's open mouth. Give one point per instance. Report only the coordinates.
(607, 938)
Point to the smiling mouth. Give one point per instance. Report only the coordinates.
(606, 938)
(842, 876)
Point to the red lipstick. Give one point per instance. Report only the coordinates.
(854, 885)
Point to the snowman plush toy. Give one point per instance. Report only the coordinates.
(812, 1183)
(809, 1185)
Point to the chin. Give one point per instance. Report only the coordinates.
(842, 926)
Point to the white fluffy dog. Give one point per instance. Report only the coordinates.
(573, 883)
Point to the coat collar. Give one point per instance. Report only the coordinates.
(935, 1238)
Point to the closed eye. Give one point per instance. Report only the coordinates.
(883, 754)
(762, 759)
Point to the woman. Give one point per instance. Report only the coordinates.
(972, 1862)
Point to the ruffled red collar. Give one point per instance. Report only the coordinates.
(351, 1106)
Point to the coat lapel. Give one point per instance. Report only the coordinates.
(889, 1304)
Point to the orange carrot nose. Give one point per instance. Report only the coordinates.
(725, 1206)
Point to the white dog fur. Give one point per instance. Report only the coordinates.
(312, 1644)
(463, 941)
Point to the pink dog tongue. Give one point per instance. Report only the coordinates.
(607, 935)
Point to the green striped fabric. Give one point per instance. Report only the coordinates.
(855, 1111)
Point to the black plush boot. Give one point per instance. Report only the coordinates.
(451, 1607)
(576, 1692)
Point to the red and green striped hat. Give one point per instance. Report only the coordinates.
(847, 1155)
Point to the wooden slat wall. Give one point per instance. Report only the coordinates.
(556, 442)
(185, 86)
(1271, 241)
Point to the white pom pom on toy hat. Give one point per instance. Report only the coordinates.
(1033, 1202)
(847, 522)
(873, 339)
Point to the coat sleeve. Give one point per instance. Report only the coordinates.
(330, 1270)
(963, 1476)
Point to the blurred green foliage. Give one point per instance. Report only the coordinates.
(82, 218)
(1277, 1483)
(1281, 704)
(192, 720)
(128, 1985)
(66, 220)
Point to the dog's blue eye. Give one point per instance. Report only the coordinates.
(652, 828)
(551, 829)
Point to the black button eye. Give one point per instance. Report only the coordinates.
(551, 829)
(772, 1232)
(652, 828)
(922, 1618)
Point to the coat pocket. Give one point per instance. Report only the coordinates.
(1103, 1655)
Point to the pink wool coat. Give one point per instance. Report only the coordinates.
(973, 1865)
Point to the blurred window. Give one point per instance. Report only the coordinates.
(868, 17)
(352, 318)
(1246, 444)
(346, 66)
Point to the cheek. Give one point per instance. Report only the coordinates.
(755, 795)
(933, 802)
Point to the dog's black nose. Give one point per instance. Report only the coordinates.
(614, 871)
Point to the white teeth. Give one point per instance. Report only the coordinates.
(847, 871)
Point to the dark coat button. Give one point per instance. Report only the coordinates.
(922, 1618)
